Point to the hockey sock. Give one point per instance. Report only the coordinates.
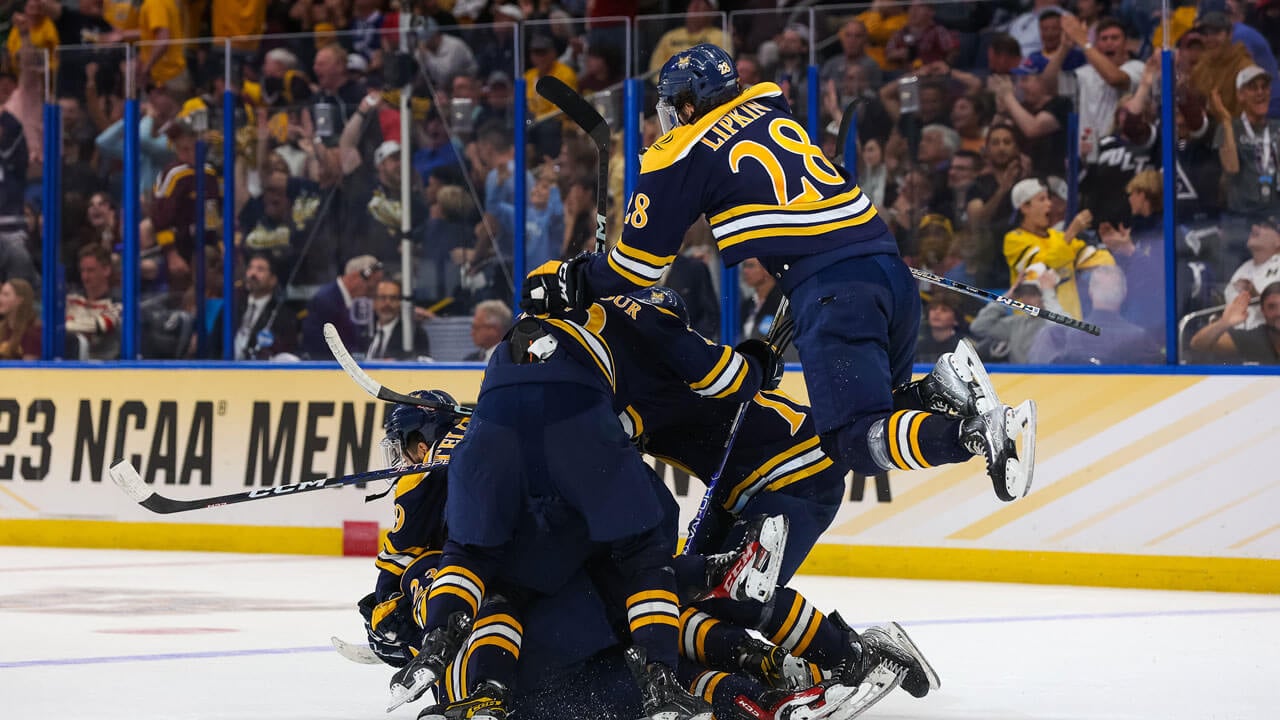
(709, 641)
(490, 653)
(718, 688)
(654, 616)
(914, 440)
(798, 626)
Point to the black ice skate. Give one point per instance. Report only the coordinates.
(992, 435)
(490, 701)
(885, 648)
(662, 696)
(958, 385)
(773, 665)
(751, 571)
(438, 649)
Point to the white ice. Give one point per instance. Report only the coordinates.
(137, 635)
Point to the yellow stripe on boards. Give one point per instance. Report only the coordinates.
(1157, 572)
(1255, 537)
(171, 536)
(21, 500)
(1104, 466)
(1213, 513)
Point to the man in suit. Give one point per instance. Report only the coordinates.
(488, 325)
(388, 333)
(345, 302)
(266, 328)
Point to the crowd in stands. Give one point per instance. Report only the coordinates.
(962, 118)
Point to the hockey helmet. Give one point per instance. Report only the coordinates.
(663, 297)
(703, 76)
(405, 423)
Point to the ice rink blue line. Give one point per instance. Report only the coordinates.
(58, 662)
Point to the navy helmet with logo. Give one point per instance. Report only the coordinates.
(663, 297)
(703, 76)
(405, 422)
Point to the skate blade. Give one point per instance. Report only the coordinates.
(902, 638)
(1021, 428)
(875, 686)
(401, 694)
(833, 701)
(967, 364)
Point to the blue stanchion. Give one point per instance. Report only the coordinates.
(132, 216)
(1170, 164)
(633, 93)
(1073, 164)
(729, 306)
(517, 252)
(815, 116)
(49, 245)
(56, 274)
(228, 224)
(198, 257)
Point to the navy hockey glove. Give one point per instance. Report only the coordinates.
(554, 286)
(770, 362)
(389, 626)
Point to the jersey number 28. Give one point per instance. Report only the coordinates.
(788, 135)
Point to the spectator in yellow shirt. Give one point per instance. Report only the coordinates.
(32, 28)
(122, 14)
(883, 21)
(542, 54)
(699, 27)
(159, 21)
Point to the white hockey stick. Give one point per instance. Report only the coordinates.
(355, 652)
(373, 387)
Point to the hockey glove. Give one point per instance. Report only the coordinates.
(770, 362)
(389, 626)
(555, 286)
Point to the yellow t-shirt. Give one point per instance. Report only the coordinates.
(681, 39)
(879, 29)
(155, 15)
(539, 107)
(232, 18)
(44, 36)
(1024, 250)
(122, 14)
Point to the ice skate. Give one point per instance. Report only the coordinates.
(826, 700)
(751, 571)
(959, 384)
(888, 646)
(488, 702)
(414, 680)
(662, 696)
(773, 665)
(993, 435)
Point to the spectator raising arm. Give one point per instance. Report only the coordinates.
(1227, 154)
(1215, 337)
(1108, 70)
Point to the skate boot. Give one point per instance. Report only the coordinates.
(887, 648)
(828, 700)
(751, 571)
(958, 385)
(773, 665)
(662, 696)
(438, 649)
(992, 435)
(488, 702)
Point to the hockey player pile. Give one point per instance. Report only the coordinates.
(532, 570)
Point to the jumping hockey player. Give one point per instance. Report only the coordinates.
(742, 159)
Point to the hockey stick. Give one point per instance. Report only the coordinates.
(780, 334)
(576, 108)
(127, 477)
(989, 296)
(355, 652)
(373, 387)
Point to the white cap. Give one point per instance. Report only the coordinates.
(511, 10)
(357, 63)
(1024, 191)
(1057, 186)
(387, 149)
(1246, 76)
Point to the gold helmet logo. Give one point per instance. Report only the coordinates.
(683, 62)
(656, 296)
(723, 67)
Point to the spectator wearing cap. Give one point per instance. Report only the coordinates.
(1249, 147)
(173, 210)
(266, 327)
(922, 41)
(853, 51)
(1261, 269)
(347, 302)
(1260, 50)
(1109, 74)
(444, 56)
(496, 103)
(700, 26)
(1040, 115)
(375, 213)
(1260, 345)
(1121, 341)
(543, 62)
(1034, 247)
(941, 332)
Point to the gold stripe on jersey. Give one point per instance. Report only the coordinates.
(785, 229)
(637, 266)
(1025, 257)
(593, 343)
(725, 378)
(396, 561)
(799, 208)
(407, 483)
(795, 459)
(165, 237)
(797, 631)
(694, 626)
(675, 145)
(632, 423)
(903, 437)
(166, 182)
(782, 404)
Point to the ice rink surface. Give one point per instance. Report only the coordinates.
(138, 635)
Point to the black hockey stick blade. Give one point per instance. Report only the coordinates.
(842, 139)
(127, 478)
(584, 115)
(373, 387)
(989, 296)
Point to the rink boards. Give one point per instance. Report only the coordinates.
(1163, 481)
